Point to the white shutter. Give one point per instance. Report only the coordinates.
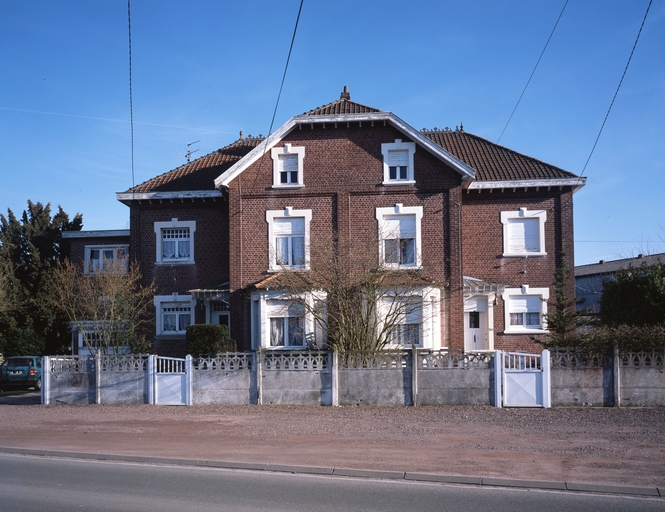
(398, 158)
(288, 162)
(523, 235)
(524, 304)
(289, 226)
(399, 226)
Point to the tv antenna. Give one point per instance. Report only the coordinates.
(189, 153)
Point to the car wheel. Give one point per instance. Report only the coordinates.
(38, 385)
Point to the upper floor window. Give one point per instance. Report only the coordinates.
(398, 162)
(175, 241)
(287, 162)
(105, 257)
(399, 236)
(524, 232)
(288, 238)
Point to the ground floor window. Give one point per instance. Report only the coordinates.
(174, 313)
(525, 309)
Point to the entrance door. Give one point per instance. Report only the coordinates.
(475, 325)
(220, 314)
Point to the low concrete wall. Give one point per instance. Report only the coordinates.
(224, 380)
(69, 380)
(582, 386)
(386, 379)
(457, 386)
(642, 379)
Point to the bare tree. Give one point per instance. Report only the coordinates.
(108, 305)
(358, 306)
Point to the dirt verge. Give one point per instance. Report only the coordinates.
(610, 446)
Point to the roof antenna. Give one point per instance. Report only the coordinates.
(189, 154)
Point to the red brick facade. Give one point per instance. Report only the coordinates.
(461, 229)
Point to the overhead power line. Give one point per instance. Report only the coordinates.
(295, 29)
(618, 87)
(131, 108)
(534, 70)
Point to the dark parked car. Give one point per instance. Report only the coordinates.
(21, 372)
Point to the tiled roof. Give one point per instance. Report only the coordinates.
(201, 173)
(342, 106)
(493, 162)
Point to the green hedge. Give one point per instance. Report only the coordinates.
(601, 339)
(208, 339)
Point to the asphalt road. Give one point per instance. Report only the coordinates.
(39, 483)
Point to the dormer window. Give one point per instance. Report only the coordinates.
(287, 164)
(398, 162)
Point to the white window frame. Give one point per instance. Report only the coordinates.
(162, 301)
(286, 213)
(428, 308)
(521, 215)
(541, 294)
(174, 224)
(266, 306)
(399, 210)
(287, 150)
(398, 145)
(116, 248)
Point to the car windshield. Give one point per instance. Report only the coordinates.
(18, 361)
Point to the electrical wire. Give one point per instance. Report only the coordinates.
(295, 29)
(618, 87)
(131, 106)
(533, 72)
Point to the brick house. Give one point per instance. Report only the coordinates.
(483, 224)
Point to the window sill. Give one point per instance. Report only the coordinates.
(277, 270)
(525, 331)
(294, 347)
(523, 255)
(288, 187)
(175, 262)
(399, 183)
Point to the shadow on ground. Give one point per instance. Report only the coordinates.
(21, 398)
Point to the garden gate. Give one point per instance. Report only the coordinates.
(522, 380)
(170, 380)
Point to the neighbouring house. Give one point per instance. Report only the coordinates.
(589, 279)
(483, 225)
(94, 250)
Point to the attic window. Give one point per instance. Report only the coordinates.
(287, 166)
(398, 162)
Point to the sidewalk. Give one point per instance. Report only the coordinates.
(615, 447)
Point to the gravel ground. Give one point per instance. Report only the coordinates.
(595, 445)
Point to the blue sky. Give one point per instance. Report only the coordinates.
(204, 70)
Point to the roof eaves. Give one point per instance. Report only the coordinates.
(124, 197)
(576, 183)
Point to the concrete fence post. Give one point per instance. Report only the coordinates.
(334, 377)
(151, 379)
(498, 377)
(414, 375)
(189, 368)
(46, 380)
(259, 375)
(98, 377)
(616, 363)
(547, 381)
